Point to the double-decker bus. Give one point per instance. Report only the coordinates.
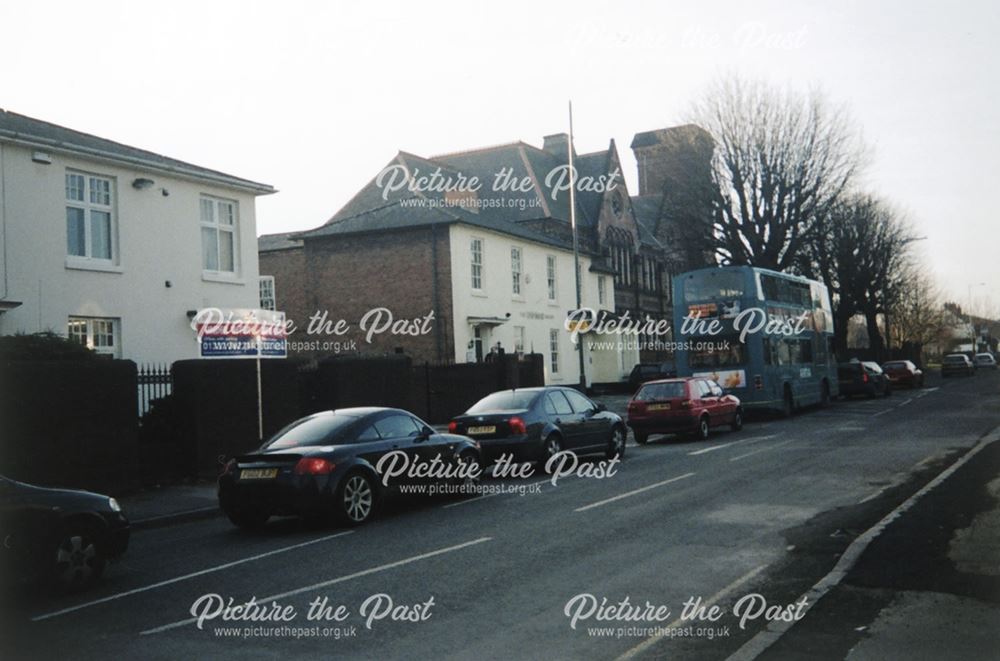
(762, 335)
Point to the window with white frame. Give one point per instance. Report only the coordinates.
(267, 301)
(101, 335)
(515, 271)
(602, 290)
(519, 339)
(90, 216)
(550, 275)
(554, 350)
(219, 235)
(476, 251)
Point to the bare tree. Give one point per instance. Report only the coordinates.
(861, 251)
(916, 316)
(781, 162)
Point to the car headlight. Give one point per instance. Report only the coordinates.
(113, 504)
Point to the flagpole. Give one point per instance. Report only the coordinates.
(576, 246)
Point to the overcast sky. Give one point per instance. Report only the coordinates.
(315, 98)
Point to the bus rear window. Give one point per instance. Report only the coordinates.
(658, 391)
(706, 285)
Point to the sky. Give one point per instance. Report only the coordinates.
(315, 98)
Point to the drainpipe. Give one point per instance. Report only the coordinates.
(3, 217)
(438, 322)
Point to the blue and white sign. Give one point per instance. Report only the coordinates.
(241, 333)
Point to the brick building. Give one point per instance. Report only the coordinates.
(485, 265)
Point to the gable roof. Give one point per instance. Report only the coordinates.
(37, 133)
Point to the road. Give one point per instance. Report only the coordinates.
(767, 510)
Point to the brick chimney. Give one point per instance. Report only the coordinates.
(556, 145)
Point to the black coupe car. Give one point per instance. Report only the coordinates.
(532, 424)
(863, 378)
(58, 536)
(327, 463)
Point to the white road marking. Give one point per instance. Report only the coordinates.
(334, 581)
(186, 577)
(897, 406)
(757, 645)
(758, 450)
(752, 439)
(872, 496)
(721, 594)
(632, 493)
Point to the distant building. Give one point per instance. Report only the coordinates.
(115, 246)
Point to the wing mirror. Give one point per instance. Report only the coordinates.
(425, 434)
(601, 406)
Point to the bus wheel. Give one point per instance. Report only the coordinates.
(824, 397)
(788, 406)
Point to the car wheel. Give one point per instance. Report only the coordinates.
(248, 518)
(616, 444)
(356, 499)
(550, 448)
(824, 395)
(79, 560)
(887, 391)
(467, 486)
(737, 420)
(641, 439)
(701, 433)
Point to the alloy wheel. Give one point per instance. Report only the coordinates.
(617, 444)
(358, 498)
(77, 560)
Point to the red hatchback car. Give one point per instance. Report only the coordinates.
(904, 373)
(683, 405)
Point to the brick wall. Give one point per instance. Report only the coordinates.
(348, 276)
(288, 268)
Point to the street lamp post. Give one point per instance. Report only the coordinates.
(968, 313)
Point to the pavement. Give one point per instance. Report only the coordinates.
(773, 510)
(164, 506)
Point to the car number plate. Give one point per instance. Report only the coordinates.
(485, 429)
(658, 407)
(258, 473)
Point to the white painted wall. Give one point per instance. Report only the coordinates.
(532, 309)
(159, 239)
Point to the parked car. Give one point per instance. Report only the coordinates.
(682, 405)
(58, 536)
(862, 378)
(643, 372)
(904, 373)
(985, 361)
(325, 464)
(957, 363)
(532, 424)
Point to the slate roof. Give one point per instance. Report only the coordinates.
(374, 208)
(282, 241)
(45, 135)
(647, 211)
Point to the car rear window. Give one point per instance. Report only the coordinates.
(954, 359)
(654, 391)
(506, 400)
(895, 366)
(311, 431)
